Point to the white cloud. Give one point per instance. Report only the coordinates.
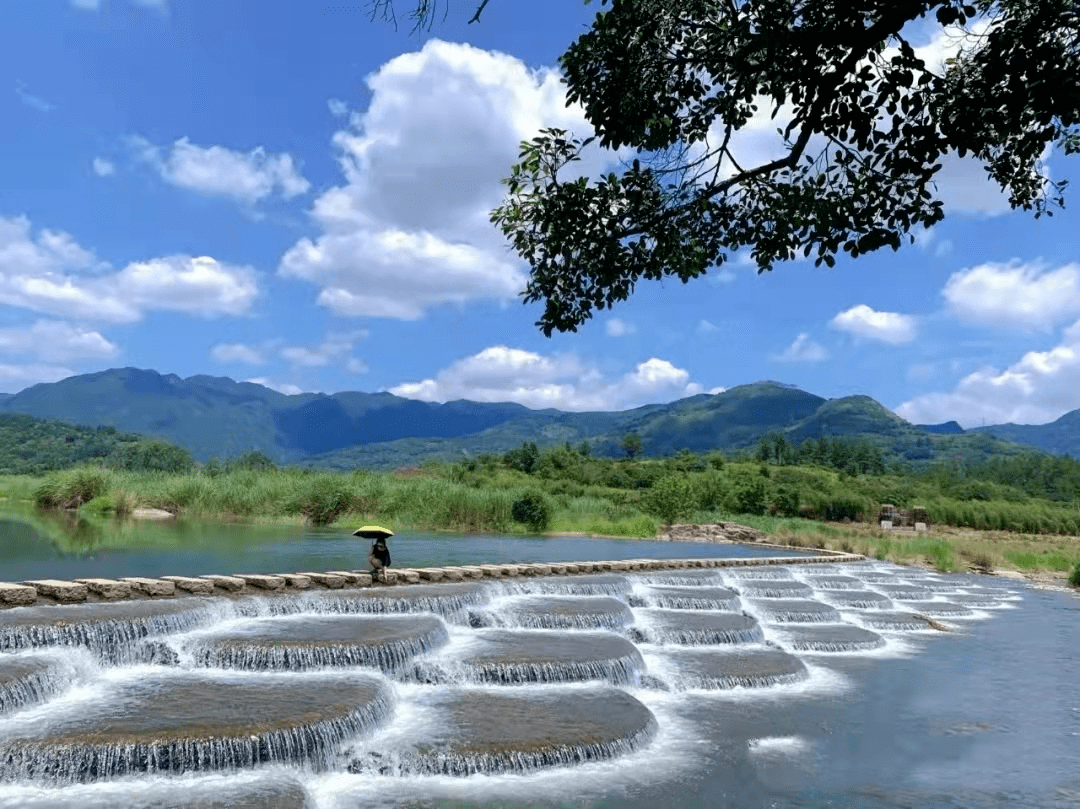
(87, 5)
(505, 374)
(803, 349)
(921, 371)
(1038, 388)
(398, 274)
(14, 378)
(95, 5)
(55, 341)
(617, 327)
(409, 229)
(335, 349)
(103, 167)
(1025, 297)
(33, 101)
(887, 327)
(337, 107)
(356, 366)
(53, 274)
(237, 352)
(287, 388)
(218, 171)
(706, 327)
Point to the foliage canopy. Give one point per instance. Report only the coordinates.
(864, 124)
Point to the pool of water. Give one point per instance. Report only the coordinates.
(35, 546)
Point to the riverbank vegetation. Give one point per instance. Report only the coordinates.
(1020, 513)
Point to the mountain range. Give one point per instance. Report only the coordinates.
(219, 417)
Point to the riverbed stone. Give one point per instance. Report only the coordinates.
(107, 588)
(190, 584)
(17, 594)
(328, 580)
(230, 584)
(260, 581)
(62, 591)
(353, 578)
(150, 587)
(295, 580)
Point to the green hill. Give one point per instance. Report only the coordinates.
(219, 417)
(30, 446)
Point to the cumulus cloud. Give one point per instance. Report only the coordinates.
(219, 171)
(409, 228)
(803, 349)
(617, 327)
(334, 349)
(505, 374)
(287, 388)
(887, 327)
(337, 107)
(237, 352)
(1024, 297)
(55, 341)
(1038, 388)
(33, 101)
(103, 167)
(15, 377)
(51, 273)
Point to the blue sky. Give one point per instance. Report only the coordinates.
(288, 193)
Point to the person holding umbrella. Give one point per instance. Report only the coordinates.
(379, 556)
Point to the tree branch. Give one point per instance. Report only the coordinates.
(480, 8)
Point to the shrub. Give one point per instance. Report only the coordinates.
(327, 497)
(72, 487)
(670, 498)
(750, 495)
(533, 509)
(1074, 577)
(785, 502)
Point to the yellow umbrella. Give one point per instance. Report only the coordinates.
(372, 532)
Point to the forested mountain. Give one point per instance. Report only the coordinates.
(217, 417)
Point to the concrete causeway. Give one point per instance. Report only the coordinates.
(56, 591)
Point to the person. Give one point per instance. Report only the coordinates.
(379, 558)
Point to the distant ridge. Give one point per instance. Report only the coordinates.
(213, 416)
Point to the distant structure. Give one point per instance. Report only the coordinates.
(917, 517)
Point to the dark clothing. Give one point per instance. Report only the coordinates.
(379, 558)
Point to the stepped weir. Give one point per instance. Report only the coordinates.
(249, 687)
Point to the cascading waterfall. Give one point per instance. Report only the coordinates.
(28, 679)
(309, 683)
(306, 642)
(183, 722)
(686, 598)
(105, 628)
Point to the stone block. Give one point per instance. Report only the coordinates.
(107, 588)
(572, 567)
(431, 573)
(886, 525)
(585, 567)
(190, 584)
(472, 571)
(509, 570)
(492, 571)
(295, 580)
(920, 526)
(327, 580)
(352, 578)
(620, 566)
(558, 570)
(407, 576)
(67, 592)
(151, 587)
(230, 584)
(261, 581)
(17, 595)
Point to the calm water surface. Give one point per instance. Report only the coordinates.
(34, 546)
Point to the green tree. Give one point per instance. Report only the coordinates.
(631, 444)
(865, 124)
(151, 456)
(525, 458)
(671, 498)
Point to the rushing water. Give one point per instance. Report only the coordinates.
(791, 687)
